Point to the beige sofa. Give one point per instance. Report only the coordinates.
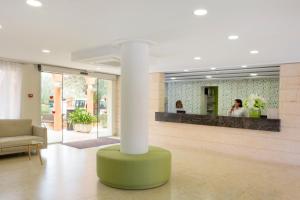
(17, 132)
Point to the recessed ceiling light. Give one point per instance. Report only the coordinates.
(253, 74)
(233, 37)
(208, 76)
(173, 78)
(197, 58)
(46, 51)
(213, 68)
(254, 51)
(200, 12)
(244, 66)
(34, 3)
(0, 26)
(186, 70)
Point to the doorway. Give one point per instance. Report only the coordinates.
(75, 107)
(209, 100)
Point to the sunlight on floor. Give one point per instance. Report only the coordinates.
(70, 136)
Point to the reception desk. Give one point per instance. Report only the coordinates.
(263, 124)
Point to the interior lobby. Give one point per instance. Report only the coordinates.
(129, 100)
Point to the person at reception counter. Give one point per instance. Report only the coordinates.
(179, 107)
(237, 109)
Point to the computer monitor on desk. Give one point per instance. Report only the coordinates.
(180, 111)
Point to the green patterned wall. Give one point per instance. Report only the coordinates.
(190, 93)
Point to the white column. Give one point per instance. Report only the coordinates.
(134, 97)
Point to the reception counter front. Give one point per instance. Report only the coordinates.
(263, 124)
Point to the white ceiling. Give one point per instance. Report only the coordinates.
(65, 26)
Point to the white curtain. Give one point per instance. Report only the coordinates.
(10, 90)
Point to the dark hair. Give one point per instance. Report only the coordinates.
(179, 104)
(240, 102)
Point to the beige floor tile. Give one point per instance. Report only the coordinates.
(69, 173)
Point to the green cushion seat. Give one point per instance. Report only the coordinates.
(126, 171)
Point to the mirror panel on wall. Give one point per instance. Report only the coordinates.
(213, 92)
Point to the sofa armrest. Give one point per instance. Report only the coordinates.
(41, 132)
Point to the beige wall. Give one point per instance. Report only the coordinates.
(283, 147)
(116, 107)
(290, 98)
(157, 95)
(31, 84)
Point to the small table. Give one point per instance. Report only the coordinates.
(33, 144)
(37, 145)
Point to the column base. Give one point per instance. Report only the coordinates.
(134, 172)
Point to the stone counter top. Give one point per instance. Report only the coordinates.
(263, 124)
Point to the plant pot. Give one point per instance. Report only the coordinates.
(83, 128)
(254, 113)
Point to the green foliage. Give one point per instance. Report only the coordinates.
(81, 116)
(255, 102)
(74, 86)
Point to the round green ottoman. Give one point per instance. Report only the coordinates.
(126, 171)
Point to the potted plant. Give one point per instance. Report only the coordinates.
(255, 105)
(81, 120)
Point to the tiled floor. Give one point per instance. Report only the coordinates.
(69, 173)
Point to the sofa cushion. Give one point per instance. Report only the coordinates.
(15, 127)
(18, 140)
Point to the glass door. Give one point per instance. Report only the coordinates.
(79, 108)
(75, 107)
(104, 122)
(51, 106)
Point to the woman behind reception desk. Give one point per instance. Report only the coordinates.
(237, 109)
(179, 107)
